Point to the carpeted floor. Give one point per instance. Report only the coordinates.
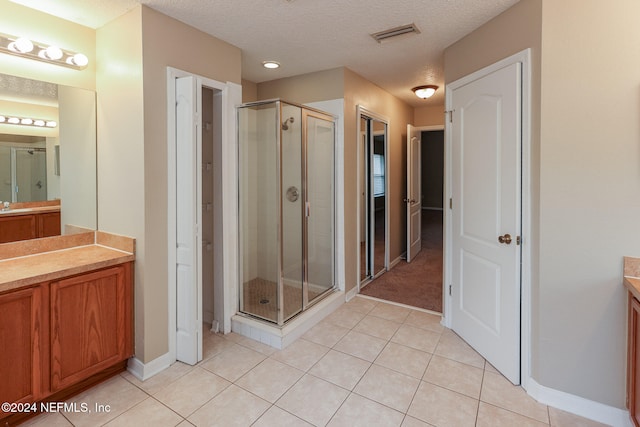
(419, 283)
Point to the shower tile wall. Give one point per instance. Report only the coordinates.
(260, 211)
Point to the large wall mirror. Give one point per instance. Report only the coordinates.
(39, 163)
(373, 191)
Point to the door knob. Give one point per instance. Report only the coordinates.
(505, 239)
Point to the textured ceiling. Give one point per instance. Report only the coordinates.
(312, 35)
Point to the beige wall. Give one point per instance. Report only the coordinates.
(585, 179)
(589, 188)
(134, 141)
(18, 20)
(121, 145)
(433, 115)
(305, 88)
(249, 91)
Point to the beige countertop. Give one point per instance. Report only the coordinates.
(28, 270)
(28, 211)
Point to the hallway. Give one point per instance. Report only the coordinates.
(367, 364)
(419, 283)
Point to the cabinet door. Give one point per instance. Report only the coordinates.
(21, 344)
(49, 224)
(633, 361)
(90, 324)
(20, 227)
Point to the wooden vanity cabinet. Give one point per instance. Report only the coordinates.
(20, 227)
(633, 361)
(29, 226)
(90, 324)
(23, 330)
(60, 337)
(49, 224)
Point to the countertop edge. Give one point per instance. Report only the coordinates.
(29, 211)
(119, 257)
(633, 285)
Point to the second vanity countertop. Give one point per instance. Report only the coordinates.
(631, 272)
(27, 211)
(29, 266)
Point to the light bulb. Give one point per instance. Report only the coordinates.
(3, 119)
(38, 123)
(14, 120)
(26, 121)
(271, 64)
(21, 45)
(53, 52)
(51, 124)
(79, 59)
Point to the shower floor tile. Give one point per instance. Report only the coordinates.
(260, 298)
(238, 384)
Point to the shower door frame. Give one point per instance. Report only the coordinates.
(364, 113)
(305, 113)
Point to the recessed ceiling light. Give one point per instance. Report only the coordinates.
(270, 64)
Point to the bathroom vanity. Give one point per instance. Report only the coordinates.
(66, 316)
(632, 283)
(24, 221)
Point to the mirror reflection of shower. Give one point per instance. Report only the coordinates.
(23, 173)
(285, 125)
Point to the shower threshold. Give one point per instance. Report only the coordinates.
(281, 336)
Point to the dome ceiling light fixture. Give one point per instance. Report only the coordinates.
(425, 91)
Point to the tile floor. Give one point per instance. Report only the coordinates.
(367, 364)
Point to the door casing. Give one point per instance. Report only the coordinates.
(226, 292)
(523, 57)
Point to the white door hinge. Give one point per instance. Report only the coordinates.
(450, 112)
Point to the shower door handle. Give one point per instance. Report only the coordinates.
(307, 209)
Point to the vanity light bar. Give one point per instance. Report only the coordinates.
(21, 46)
(27, 121)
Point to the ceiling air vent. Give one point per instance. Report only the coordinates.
(404, 30)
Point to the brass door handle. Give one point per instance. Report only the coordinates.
(505, 239)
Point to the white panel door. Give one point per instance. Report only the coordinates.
(188, 218)
(486, 215)
(414, 193)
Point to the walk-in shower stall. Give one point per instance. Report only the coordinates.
(286, 208)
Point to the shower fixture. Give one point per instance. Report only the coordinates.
(285, 125)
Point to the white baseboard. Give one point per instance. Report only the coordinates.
(352, 293)
(586, 408)
(144, 371)
(397, 260)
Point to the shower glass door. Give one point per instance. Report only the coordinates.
(292, 203)
(30, 174)
(320, 205)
